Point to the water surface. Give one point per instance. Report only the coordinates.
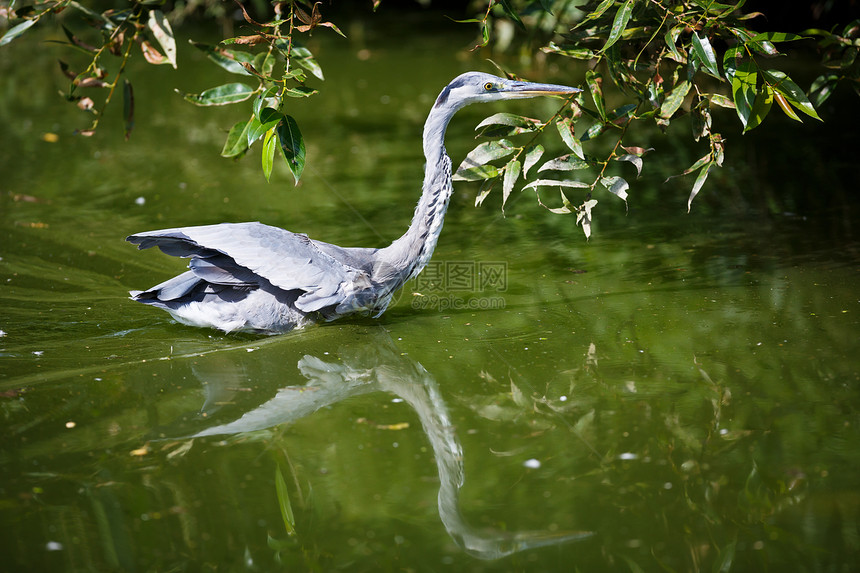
(679, 393)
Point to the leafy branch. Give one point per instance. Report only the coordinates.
(661, 56)
(269, 55)
(665, 59)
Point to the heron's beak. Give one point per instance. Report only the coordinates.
(529, 89)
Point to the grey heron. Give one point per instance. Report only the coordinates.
(256, 278)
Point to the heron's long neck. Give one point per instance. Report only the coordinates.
(411, 252)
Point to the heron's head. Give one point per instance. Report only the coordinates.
(474, 87)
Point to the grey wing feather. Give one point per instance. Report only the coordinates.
(170, 289)
(287, 260)
(222, 270)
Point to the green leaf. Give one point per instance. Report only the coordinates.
(616, 185)
(555, 183)
(705, 53)
(477, 173)
(727, 556)
(620, 72)
(593, 131)
(583, 218)
(697, 186)
(303, 57)
(292, 146)
(671, 38)
(267, 120)
(510, 13)
(268, 153)
(284, 502)
(237, 139)
(823, 87)
(163, 33)
(717, 8)
(722, 101)
(264, 62)
(795, 96)
(598, 12)
(225, 58)
(594, 81)
(700, 115)
(623, 111)
(730, 59)
(221, 95)
(486, 152)
(674, 99)
(128, 107)
(485, 34)
(299, 91)
(486, 187)
(565, 129)
(744, 89)
(619, 24)
(299, 54)
(533, 155)
(634, 159)
(564, 163)
(574, 52)
(699, 162)
(16, 31)
(101, 21)
(255, 130)
(268, 98)
(505, 124)
(512, 173)
(748, 39)
(295, 74)
(566, 206)
(776, 37)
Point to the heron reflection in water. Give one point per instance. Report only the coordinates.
(257, 278)
(370, 363)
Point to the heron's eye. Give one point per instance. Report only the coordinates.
(489, 86)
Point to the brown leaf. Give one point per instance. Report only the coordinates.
(64, 67)
(86, 103)
(150, 53)
(637, 151)
(91, 83)
(783, 103)
(78, 42)
(251, 40)
(311, 20)
(116, 43)
(251, 69)
(248, 18)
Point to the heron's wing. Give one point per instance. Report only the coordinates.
(225, 253)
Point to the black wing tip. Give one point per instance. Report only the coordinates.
(140, 241)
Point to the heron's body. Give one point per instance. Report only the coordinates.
(258, 278)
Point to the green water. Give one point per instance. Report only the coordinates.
(678, 394)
